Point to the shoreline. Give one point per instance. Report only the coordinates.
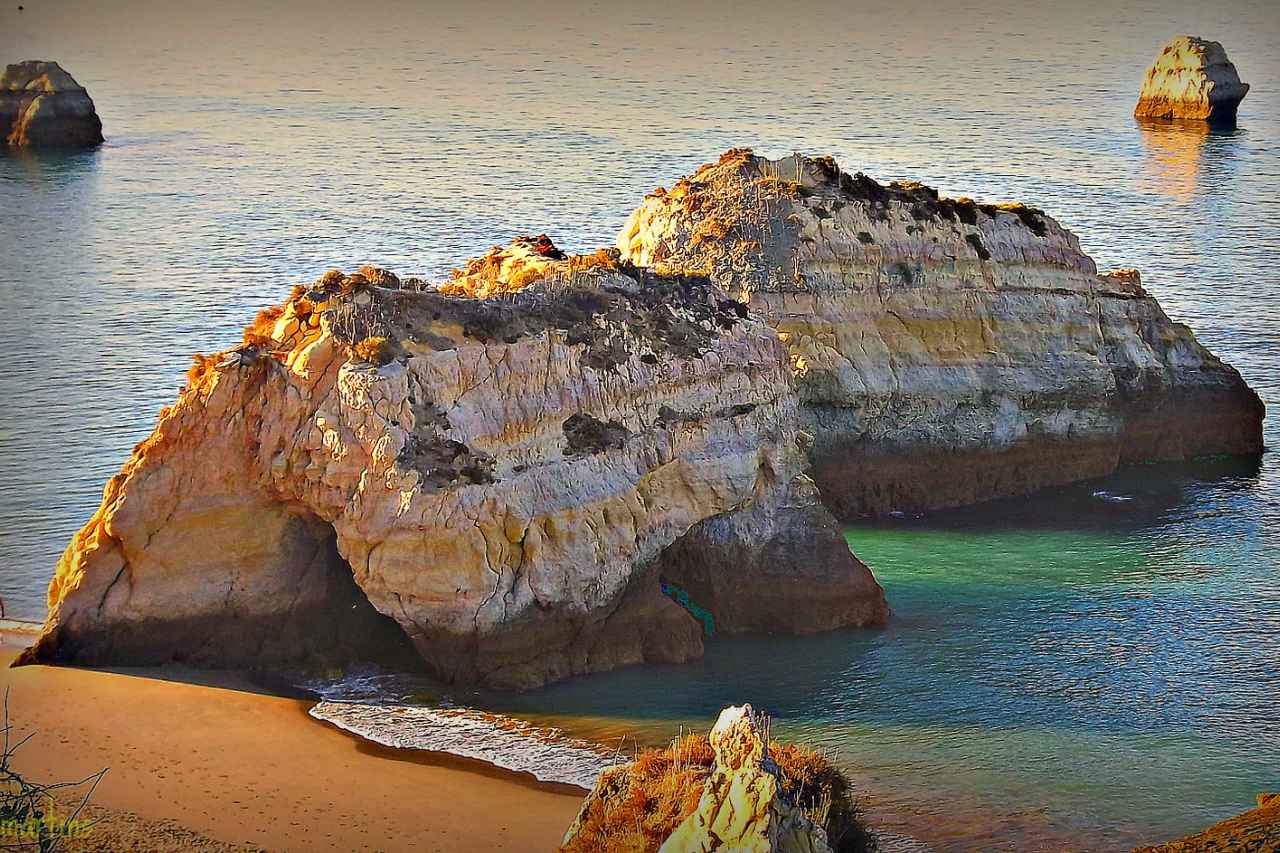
(214, 757)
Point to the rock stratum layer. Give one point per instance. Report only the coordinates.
(946, 352)
(501, 481)
(1191, 79)
(1255, 831)
(42, 106)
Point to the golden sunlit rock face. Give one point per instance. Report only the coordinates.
(1193, 79)
(1255, 831)
(42, 106)
(945, 351)
(500, 479)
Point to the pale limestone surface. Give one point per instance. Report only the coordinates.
(501, 490)
(945, 351)
(742, 809)
(1192, 78)
(41, 105)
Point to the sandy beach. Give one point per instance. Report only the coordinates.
(206, 760)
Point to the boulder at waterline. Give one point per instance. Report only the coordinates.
(1192, 79)
(42, 106)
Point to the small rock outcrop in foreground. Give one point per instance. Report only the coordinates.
(42, 106)
(1192, 79)
(1255, 831)
(734, 792)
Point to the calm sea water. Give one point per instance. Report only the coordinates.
(1083, 670)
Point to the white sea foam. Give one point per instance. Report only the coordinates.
(377, 707)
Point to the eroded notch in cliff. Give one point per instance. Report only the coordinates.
(586, 435)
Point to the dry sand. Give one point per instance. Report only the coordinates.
(197, 758)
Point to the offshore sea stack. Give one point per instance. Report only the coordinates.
(945, 351)
(1192, 79)
(496, 472)
(42, 106)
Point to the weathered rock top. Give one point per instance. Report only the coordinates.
(41, 105)
(38, 75)
(1192, 78)
(802, 224)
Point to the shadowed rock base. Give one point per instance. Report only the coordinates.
(326, 622)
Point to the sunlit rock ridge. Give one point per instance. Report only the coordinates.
(945, 351)
(500, 481)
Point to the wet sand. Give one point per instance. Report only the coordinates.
(207, 755)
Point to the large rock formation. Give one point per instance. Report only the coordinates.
(1192, 79)
(42, 106)
(735, 792)
(946, 351)
(498, 478)
(1254, 831)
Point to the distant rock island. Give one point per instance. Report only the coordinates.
(556, 464)
(1193, 79)
(42, 106)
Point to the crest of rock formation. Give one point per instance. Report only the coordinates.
(1192, 79)
(945, 351)
(499, 480)
(42, 106)
(735, 792)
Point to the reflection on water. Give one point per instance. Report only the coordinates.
(1182, 154)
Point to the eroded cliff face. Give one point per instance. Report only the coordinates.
(946, 351)
(1192, 79)
(41, 105)
(497, 480)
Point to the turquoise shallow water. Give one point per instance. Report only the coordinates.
(1074, 671)
(1098, 664)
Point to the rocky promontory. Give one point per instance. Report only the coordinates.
(735, 791)
(1192, 79)
(506, 483)
(42, 106)
(946, 351)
